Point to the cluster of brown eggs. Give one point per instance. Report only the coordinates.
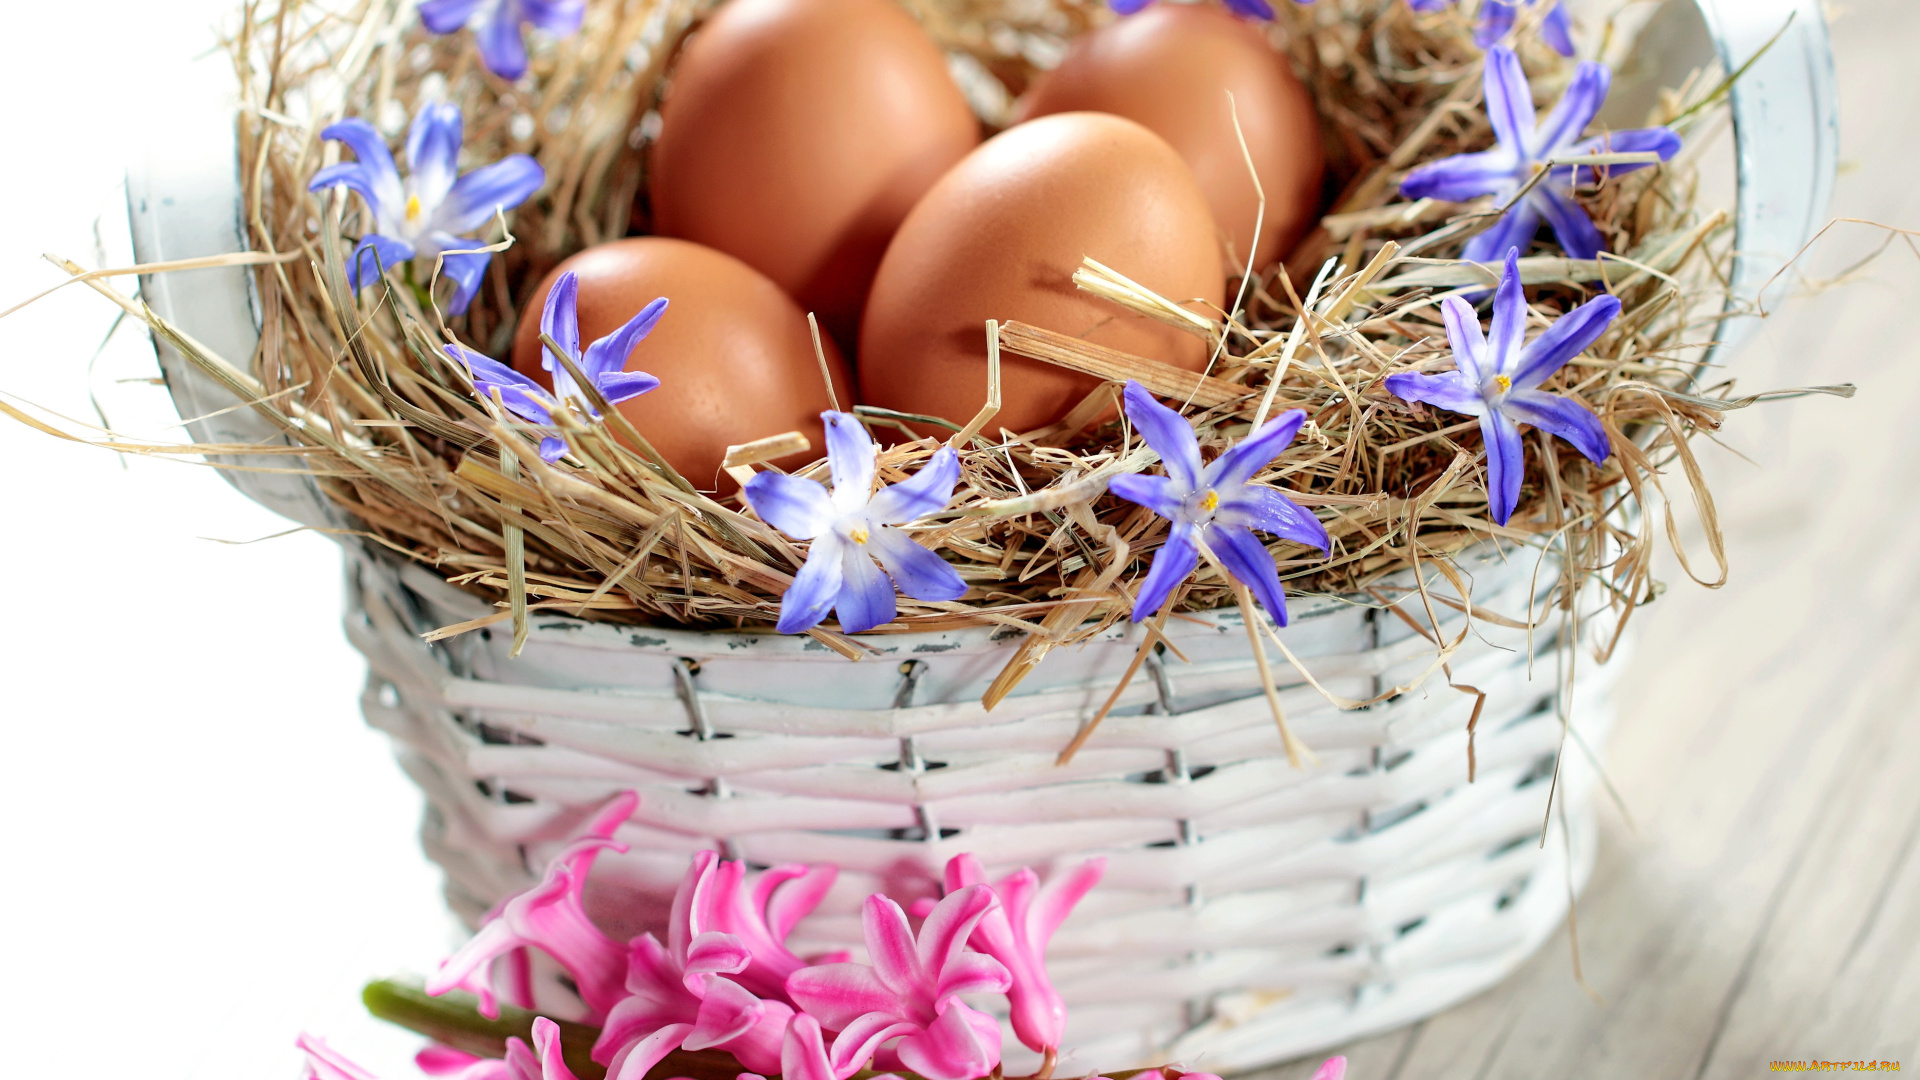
(816, 156)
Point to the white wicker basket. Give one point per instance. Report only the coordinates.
(1251, 912)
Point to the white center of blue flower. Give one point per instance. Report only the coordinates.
(1201, 506)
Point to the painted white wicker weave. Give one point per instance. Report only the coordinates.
(1257, 910)
(1251, 912)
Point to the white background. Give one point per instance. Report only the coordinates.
(208, 850)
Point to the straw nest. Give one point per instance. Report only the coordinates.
(399, 439)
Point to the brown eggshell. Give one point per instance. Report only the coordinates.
(1171, 68)
(1000, 237)
(733, 353)
(796, 136)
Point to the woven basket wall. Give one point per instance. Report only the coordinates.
(1251, 911)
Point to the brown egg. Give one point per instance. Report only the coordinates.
(796, 136)
(734, 356)
(1171, 68)
(1000, 237)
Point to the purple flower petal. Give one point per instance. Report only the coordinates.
(1172, 564)
(1252, 9)
(1249, 561)
(385, 193)
(800, 508)
(552, 449)
(1563, 417)
(446, 16)
(916, 571)
(521, 395)
(560, 18)
(621, 386)
(374, 255)
(560, 320)
(609, 355)
(1567, 338)
(471, 201)
(866, 592)
(1428, 5)
(815, 587)
(1496, 20)
(850, 454)
(1506, 464)
(1574, 111)
(1271, 511)
(1454, 391)
(1463, 176)
(501, 48)
(1255, 452)
(1167, 433)
(433, 154)
(1509, 100)
(1509, 319)
(1469, 344)
(1156, 493)
(355, 176)
(1514, 229)
(1557, 29)
(925, 492)
(1571, 225)
(464, 269)
(1660, 140)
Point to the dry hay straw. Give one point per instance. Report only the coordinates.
(398, 438)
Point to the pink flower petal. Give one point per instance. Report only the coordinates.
(546, 1040)
(787, 897)
(972, 973)
(856, 1043)
(443, 1060)
(839, 994)
(1061, 896)
(890, 944)
(803, 1056)
(759, 1048)
(727, 1011)
(945, 932)
(1334, 1068)
(714, 953)
(955, 1047)
(325, 1063)
(632, 1062)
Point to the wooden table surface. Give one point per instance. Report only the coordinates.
(1764, 902)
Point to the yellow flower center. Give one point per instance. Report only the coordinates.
(413, 209)
(1211, 502)
(857, 534)
(1505, 384)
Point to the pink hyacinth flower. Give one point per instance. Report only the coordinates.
(1016, 933)
(677, 995)
(326, 1063)
(550, 917)
(762, 916)
(1334, 1068)
(446, 1061)
(911, 992)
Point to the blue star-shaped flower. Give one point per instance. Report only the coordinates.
(1525, 145)
(853, 533)
(1496, 21)
(1252, 9)
(425, 214)
(1497, 379)
(496, 26)
(1214, 506)
(604, 363)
